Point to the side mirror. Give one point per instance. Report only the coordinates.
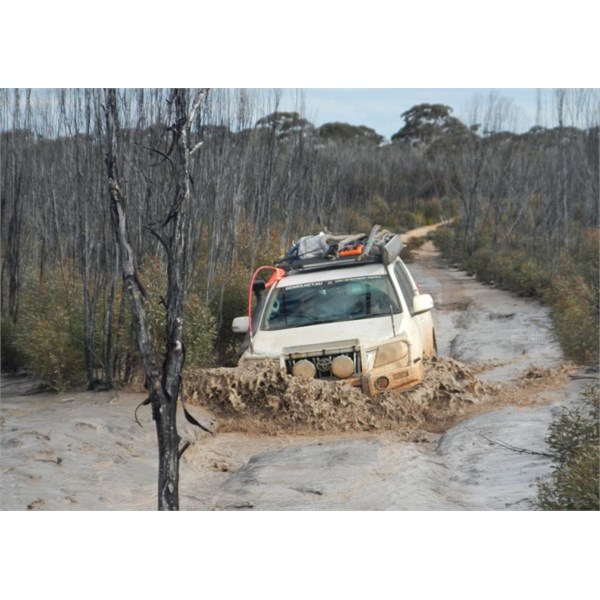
(422, 303)
(240, 325)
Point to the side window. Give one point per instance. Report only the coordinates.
(405, 284)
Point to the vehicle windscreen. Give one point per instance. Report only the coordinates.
(330, 302)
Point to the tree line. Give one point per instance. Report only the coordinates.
(258, 178)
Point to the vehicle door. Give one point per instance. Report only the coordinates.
(423, 321)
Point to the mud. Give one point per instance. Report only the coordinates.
(262, 399)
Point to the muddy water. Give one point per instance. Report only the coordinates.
(84, 451)
(481, 324)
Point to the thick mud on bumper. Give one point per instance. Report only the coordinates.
(391, 377)
(343, 364)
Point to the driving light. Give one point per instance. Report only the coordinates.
(304, 368)
(342, 366)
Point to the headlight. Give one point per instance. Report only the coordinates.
(388, 353)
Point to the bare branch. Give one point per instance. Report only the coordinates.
(165, 156)
(145, 402)
(158, 236)
(196, 147)
(183, 448)
(509, 446)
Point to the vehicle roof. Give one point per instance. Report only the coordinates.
(356, 270)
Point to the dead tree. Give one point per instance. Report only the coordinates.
(164, 383)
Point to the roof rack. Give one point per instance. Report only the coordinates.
(317, 264)
(373, 249)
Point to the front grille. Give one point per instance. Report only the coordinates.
(322, 357)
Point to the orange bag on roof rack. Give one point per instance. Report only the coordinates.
(356, 251)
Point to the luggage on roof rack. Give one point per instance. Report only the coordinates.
(325, 250)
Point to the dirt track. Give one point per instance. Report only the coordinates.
(84, 451)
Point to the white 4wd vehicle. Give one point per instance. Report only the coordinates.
(358, 320)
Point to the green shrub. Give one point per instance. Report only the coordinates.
(575, 300)
(49, 332)
(573, 439)
(12, 358)
(231, 302)
(199, 323)
(406, 221)
(200, 332)
(479, 262)
(529, 277)
(432, 210)
(575, 317)
(445, 240)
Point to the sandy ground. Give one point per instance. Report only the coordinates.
(85, 451)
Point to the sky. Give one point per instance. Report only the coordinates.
(381, 108)
(360, 54)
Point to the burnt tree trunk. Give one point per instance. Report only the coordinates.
(164, 383)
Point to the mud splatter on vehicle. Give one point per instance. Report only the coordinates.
(265, 398)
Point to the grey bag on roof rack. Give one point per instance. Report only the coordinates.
(379, 245)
